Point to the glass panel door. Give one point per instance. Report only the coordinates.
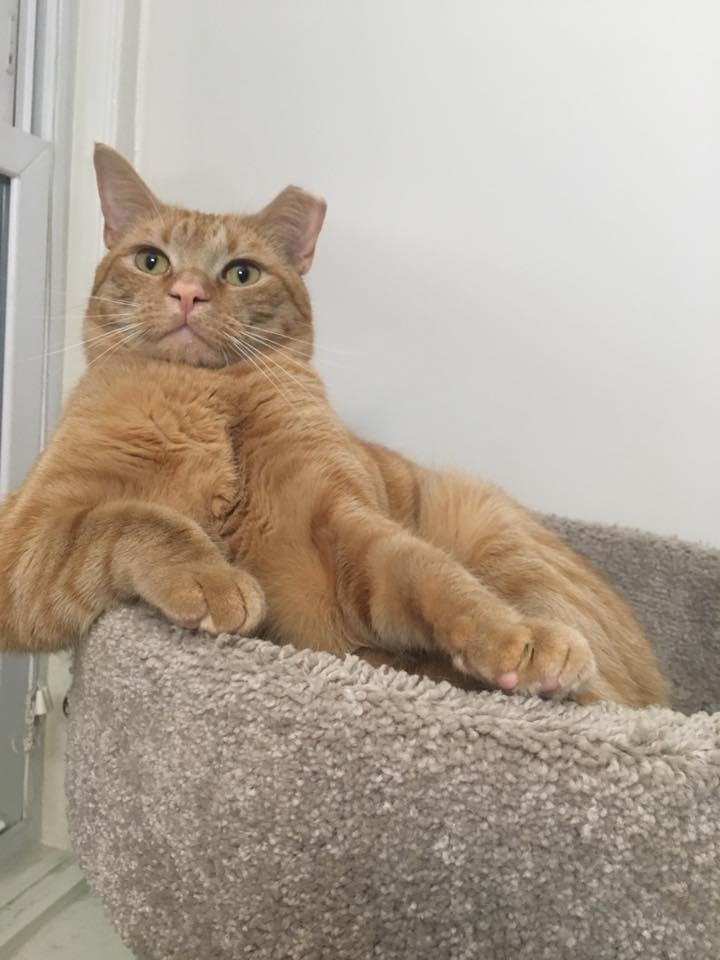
(15, 677)
(24, 223)
(14, 671)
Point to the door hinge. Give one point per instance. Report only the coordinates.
(39, 703)
(42, 702)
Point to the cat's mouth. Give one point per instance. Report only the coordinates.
(185, 333)
(184, 344)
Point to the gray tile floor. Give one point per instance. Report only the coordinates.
(79, 932)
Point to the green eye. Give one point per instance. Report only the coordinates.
(241, 273)
(150, 260)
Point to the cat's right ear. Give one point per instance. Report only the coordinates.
(124, 197)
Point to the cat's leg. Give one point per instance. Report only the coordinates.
(59, 571)
(511, 553)
(399, 592)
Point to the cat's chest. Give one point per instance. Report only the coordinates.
(223, 449)
(191, 455)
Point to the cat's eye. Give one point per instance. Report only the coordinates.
(241, 273)
(150, 260)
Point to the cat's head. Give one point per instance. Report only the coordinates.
(203, 289)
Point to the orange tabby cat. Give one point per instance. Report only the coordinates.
(199, 466)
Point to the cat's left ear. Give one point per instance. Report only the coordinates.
(124, 196)
(293, 220)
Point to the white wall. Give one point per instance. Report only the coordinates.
(107, 43)
(522, 252)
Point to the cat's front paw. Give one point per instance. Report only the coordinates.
(214, 597)
(536, 656)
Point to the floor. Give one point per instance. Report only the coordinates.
(79, 932)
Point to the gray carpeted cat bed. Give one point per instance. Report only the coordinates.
(255, 801)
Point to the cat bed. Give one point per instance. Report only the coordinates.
(233, 800)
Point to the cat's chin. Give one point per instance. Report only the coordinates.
(185, 345)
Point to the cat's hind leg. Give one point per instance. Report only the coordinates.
(549, 585)
(401, 593)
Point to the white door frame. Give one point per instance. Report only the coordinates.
(26, 161)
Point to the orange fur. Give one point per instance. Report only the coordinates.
(199, 466)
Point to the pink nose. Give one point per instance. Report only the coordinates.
(188, 293)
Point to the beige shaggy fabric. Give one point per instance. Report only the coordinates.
(242, 800)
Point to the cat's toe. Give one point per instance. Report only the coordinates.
(561, 661)
(235, 601)
(214, 597)
(538, 657)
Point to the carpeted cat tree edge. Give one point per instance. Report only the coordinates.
(244, 800)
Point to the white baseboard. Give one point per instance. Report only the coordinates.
(32, 890)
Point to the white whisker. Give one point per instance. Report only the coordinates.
(288, 350)
(133, 335)
(273, 351)
(286, 336)
(280, 371)
(125, 302)
(84, 343)
(268, 356)
(248, 353)
(267, 349)
(280, 347)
